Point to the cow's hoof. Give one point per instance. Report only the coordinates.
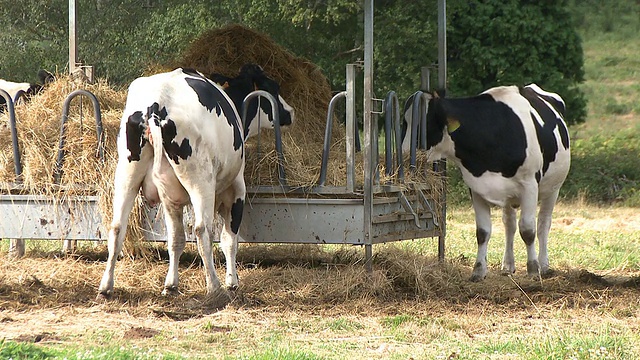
(548, 273)
(104, 296)
(533, 270)
(507, 272)
(477, 277)
(231, 282)
(170, 291)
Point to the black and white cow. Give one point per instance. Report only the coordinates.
(17, 90)
(512, 147)
(181, 141)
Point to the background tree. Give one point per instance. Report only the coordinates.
(503, 42)
(491, 42)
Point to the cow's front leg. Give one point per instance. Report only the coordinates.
(483, 233)
(527, 226)
(510, 226)
(175, 245)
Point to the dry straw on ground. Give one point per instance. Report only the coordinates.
(304, 277)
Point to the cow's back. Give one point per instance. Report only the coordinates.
(199, 122)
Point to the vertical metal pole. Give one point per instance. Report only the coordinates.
(425, 79)
(368, 132)
(351, 126)
(442, 84)
(442, 44)
(73, 51)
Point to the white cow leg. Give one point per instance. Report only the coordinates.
(483, 234)
(229, 245)
(69, 246)
(544, 225)
(527, 226)
(203, 211)
(16, 248)
(231, 209)
(510, 226)
(176, 241)
(125, 192)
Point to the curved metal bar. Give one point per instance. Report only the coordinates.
(392, 120)
(397, 127)
(276, 127)
(327, 136)
(19, 94)
(423, 120)
(57, 175)
(415, 113)
(14, 133)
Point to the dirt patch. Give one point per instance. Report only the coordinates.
(140, 332)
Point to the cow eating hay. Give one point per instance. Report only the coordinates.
(512, 146)
(181, 141)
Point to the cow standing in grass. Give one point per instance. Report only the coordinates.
(181, 141)
(512, 147)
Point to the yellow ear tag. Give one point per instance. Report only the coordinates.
(452, 125)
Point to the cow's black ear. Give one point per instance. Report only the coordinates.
(45, 76)
(251, 70)
(219, 78)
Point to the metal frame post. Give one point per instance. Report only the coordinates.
(73, 50)
(352, 130)
(441, 166)
(369, 132)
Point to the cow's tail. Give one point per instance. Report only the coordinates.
(155, 138)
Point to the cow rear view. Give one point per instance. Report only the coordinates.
(181, 141)
(512, 147)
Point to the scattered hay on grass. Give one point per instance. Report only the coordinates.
(281, 277)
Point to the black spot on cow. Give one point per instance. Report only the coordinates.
(546, 138)
(212, 99)
(236, 215)
(482, 236)
(169, 131)
(154, 112)
(490, 136)
(135, 139)
(174, 150)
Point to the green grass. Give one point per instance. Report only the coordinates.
(24, 351)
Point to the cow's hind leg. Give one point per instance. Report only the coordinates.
(510, 226)
(231, 210)
(203, 209)
(175, 245)
(544, 225)
(483, 233)
(128, 178)
(527, 227)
